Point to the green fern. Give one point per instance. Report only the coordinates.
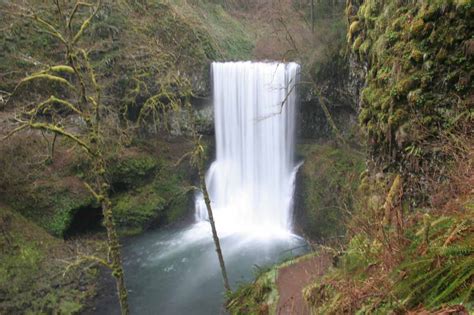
(445, 273)
(457, 278)
(456, 251)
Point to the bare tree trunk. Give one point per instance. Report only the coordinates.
(199, 161)
(207, 200)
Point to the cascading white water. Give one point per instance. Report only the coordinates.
(251, 182)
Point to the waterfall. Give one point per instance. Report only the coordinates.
(251, 182)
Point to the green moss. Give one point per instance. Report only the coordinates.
(52, 206)
(415, 61)
(399, 23)
(416, 56)
(330, 175)
(442, 55)
(163, 200)
(354, 28)
(258, 297)
(405, 85)
(365, 47)
(351, 12)
(416, 97)
(129, 171)
(357, 44)
(364, 115)
(139, 208)
(417, 27)
(429, 12)
(65, 207)
(398, 118)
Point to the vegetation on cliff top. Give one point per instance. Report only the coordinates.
(136, 50)
(136, 47)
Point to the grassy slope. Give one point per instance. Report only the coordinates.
(132, 46)
(234, 38)
(430, 269)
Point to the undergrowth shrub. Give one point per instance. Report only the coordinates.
(253, 298)
(439, 264)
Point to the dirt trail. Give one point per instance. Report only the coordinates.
(292, 279)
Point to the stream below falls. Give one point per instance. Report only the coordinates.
(176, 271)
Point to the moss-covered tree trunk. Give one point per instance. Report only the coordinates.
(115, 257)
(83, 98)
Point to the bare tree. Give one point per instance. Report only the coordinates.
(80, 95)
(199, 156)
(197, 159)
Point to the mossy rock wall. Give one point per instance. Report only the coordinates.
(48, 193)
(146, 186)
(418, 93)
(163, 199)
(326, 184)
